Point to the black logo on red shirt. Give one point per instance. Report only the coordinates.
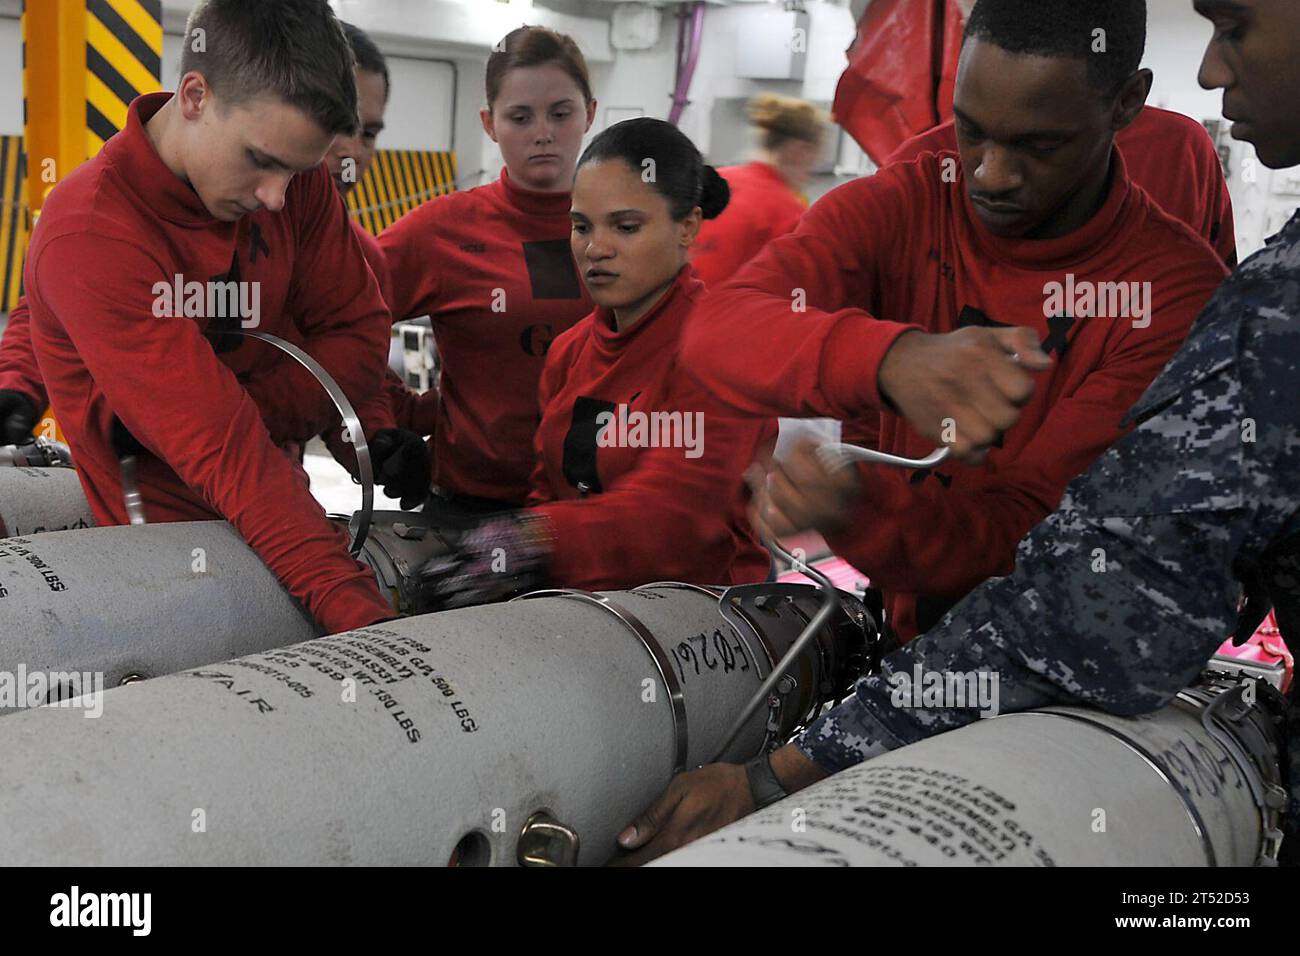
(580, 443)
(257, 244)
(218, 328)
(551, 270)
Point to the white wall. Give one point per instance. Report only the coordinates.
(644, 79)
(11, 76)
(1176, 42)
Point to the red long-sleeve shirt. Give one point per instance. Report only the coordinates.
(902, 249)
(1168, 154)
(492, 267)
(762, 206)
(112, 235)
(654, 512)
(18, 368)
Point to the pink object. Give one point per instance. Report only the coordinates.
(1264, 647)
(842, 574)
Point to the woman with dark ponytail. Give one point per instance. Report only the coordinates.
(638, 472)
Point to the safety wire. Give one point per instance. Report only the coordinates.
(835, 456)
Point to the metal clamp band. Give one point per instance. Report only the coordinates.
(1193, 813)
(662, 662)
(1213, 719)
(351, 421)
(714, 593)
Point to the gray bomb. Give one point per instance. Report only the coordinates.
(1196, 784)
(132, 602)
(34, 500)
(527, 731)
(138, 602)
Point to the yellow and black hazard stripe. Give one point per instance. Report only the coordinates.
(14, 226)
(123, 60)
(399, 180)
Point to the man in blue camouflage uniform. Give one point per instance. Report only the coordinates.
(1120, 598)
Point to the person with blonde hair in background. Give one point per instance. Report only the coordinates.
(765, 197)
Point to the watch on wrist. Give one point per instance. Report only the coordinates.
(763, 785)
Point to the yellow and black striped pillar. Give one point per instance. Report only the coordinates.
(15, 223)
(84, 61)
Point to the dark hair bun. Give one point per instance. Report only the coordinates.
(714, 195)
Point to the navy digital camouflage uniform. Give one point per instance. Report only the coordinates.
(1183, 511)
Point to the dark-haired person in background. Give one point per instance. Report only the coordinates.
(221, 182)
(611, 506)
(765, 202)
(1186, 509)
(399, 455)
(868, 310)
(491, 267)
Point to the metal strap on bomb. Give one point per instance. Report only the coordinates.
(351, 421)
(663, 663)
(1193, 813)
(752, 630)
(1225, 707)
(713, 592)
(131, 490)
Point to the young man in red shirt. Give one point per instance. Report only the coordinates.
(1034, 225)
(400, 457)
(1168, 154)
(209, 212)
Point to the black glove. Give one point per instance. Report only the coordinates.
(402, 464)
(18, 417)
(125, 445)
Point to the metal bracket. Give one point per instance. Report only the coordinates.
(545, 841)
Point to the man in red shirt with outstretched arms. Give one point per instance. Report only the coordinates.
(1034, 225)
(211, 210)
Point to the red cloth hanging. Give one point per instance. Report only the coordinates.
(901, 74)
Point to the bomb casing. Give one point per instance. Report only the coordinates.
(475, 734)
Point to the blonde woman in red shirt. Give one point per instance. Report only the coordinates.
(766, 197)
(491, 266)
